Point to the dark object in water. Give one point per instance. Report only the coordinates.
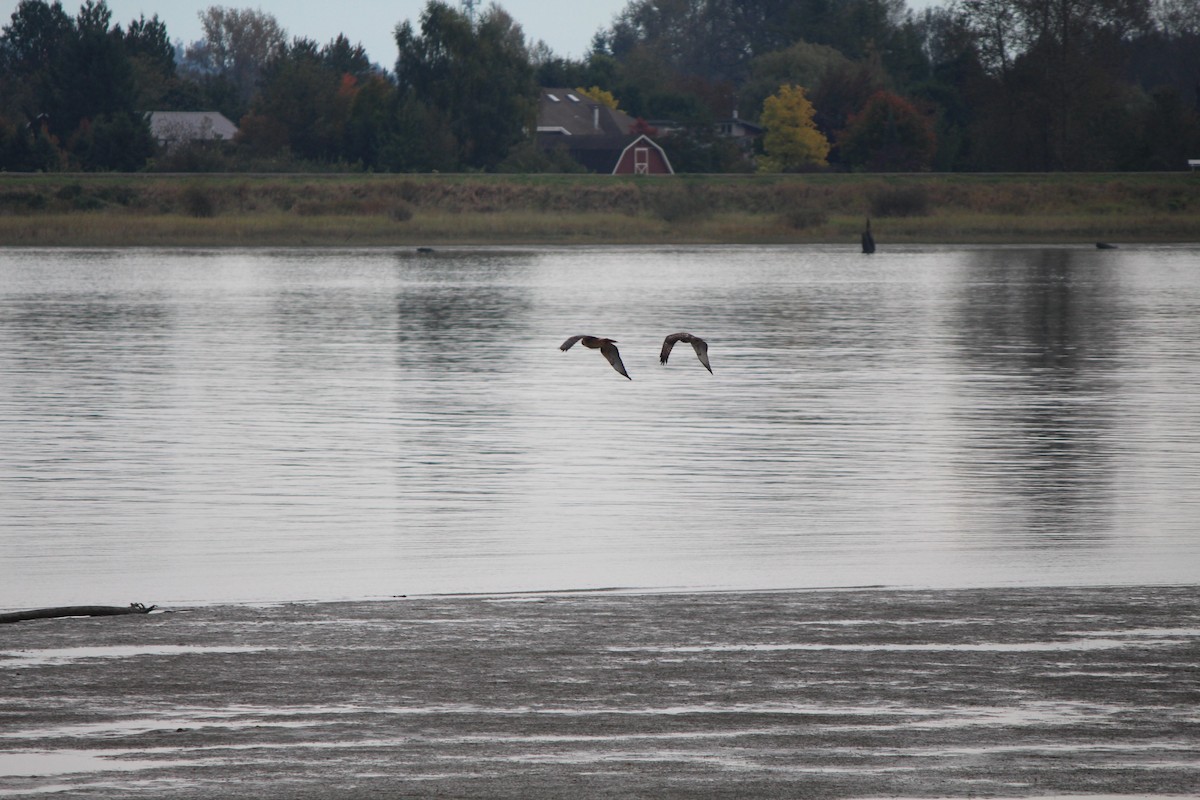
(424, 249)
(698, 344)
(868, 241)
(607, 347)
(1105, 246)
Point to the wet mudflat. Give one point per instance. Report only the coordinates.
(1026, 692)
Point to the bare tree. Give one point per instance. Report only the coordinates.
(1058, 65)
(237, 45)
(1007, 29)
(1177, 17)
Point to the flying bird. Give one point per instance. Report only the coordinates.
(698, 344)
(608, 348)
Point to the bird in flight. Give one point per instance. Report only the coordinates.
(608, 348)
(698, 344)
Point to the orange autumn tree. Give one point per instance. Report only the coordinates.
(792, 141)
(888, 135)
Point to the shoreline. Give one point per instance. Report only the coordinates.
(453, 249)
(1023, 692)
(536, 595)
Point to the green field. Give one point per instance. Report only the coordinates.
(120, 210)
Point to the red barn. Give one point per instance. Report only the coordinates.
(643, 156)
(601, 139)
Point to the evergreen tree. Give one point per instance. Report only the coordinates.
(93, 75)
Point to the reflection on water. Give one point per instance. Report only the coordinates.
(233, 425)
(1047, 329)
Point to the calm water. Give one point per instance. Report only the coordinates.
(268, 425)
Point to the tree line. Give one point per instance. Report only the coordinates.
(863, 85)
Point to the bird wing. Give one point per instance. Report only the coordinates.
(701, 348)
(614, 357)
(565, 346)
(668, 343)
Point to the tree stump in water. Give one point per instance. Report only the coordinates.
(868, 241)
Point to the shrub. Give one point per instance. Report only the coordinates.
(888, 135)
(87, 202)
(119, 194)
(402, 211)
(409, 191)
(198, 202)
(19, 200)
(329, 207)
(679, 204)
(901, 201)
(801, 218)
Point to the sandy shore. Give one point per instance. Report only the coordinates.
(821, 694)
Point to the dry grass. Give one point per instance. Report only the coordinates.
(271, 210)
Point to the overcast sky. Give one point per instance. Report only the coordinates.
(566, 25)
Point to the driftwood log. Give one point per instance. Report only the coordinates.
(75, 611)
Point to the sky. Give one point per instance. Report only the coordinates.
(567, 26)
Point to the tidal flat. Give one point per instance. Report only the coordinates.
(1005, 692)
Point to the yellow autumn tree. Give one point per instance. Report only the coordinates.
(792, 141)
(604, 98)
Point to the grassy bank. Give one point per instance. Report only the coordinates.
(385, 210)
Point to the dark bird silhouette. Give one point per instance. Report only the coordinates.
(607, 347)
(868, 241)
(698, 344)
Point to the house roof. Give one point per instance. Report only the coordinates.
(566, 112)
(595, 153)
(188, 126)
(734, 127)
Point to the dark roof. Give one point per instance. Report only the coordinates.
(566, 112)
(595, 153)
